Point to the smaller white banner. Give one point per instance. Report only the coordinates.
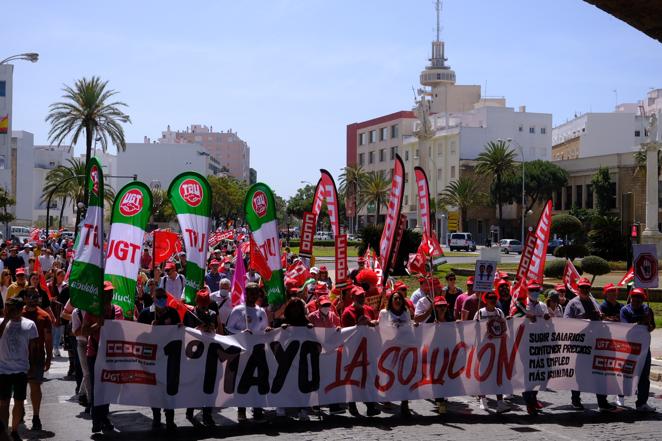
(484, 275)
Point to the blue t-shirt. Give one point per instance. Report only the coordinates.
(610, 309)
(212, 281)
(630, 315)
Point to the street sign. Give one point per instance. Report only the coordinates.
(484, 275)
(645, 266)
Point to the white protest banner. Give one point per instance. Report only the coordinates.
(484, 275)
(645, 266)
(171, 367)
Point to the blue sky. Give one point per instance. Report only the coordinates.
(288, 75)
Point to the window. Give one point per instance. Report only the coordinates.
(532, 130)
(394, 131)
(568, 198)
(373, 136)
(406, 199)
(452, 147)
(406, 155)
(3, 163)
(579, 201)
(438, 174)
(371, 157)
(543, 130)
(382, 154)
(416, 154)
(520, 129)
(3, 88)
(406, 177)
(361, 159)
(383, 133)
(394, 150)
(452, 172)
(361, 138)
(589, 196)
(637, 133)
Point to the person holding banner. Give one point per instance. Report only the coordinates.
(252, 319)
(490, 311)
(505, 298)
(585, 307)
(641, 314)
(440, 313)
(223, 301)
(91, 328)
(424, 311)
(451, 292)
(160, 314)
(534, 309)
(459, 302)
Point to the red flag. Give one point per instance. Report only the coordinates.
(177, 304)
(165, 245)
(238, 280)
(330, 194)
(34, 235)
(297, 271)
(416, 264)
(627, 278)
(318, 200)
(430, 246)
(423, 194)
(42, 278)
(534, 254)
(258, 262)
(571, 275)
(392, 213)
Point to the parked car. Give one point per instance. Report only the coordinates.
(323, 235)
(462, 241)
(510, 246)
(553, 244)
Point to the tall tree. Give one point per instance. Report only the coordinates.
(6, 201)
(463, 193)
(497, 162)
(302, 201)
(68, 181)
(88, 108)
(375, 190)
(351, 181)
(601, 183)
(228, 200)
(542, 179)
(162, 210)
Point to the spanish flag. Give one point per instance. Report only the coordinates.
(4, 124)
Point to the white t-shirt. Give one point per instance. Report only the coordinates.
(15, 345)
(174, 286)
(416, 296)
(257, 320)
(387, 317)
(538, 309)
(422, 305)
(224, 302)
(46, 262)
(483, 314)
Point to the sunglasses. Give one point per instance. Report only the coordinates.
(451, 278)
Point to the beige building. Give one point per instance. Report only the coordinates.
(226, 147)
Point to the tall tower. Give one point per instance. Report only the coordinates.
(438, 73)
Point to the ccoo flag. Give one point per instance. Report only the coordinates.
(260, 209)
(131, 212)
(190, 195)
(86, 276)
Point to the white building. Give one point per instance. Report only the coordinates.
(6, 71)
(157, 164)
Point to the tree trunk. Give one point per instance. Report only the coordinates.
(377, 216)
(89, 136)
(463, 219)
(498, 198)
(64, 202)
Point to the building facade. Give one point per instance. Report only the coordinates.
(6, 75)
(232, 153)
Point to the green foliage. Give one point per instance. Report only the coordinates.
(596, 266)
(371, 234)
(572, 251)
(162, 210)
(542, 179)
(325, 243)
(376, 187)
(497, 162)
(369, 237)
(601, 182)
(605, 238)
(463, 193)
(554, 268)
(302, 201)
(228, 197)
(565, 225)
(6, 201)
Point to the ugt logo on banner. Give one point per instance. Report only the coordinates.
(132, 203)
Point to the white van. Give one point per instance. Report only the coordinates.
(462, 241)
(19, 233)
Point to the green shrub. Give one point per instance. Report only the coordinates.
(596, 266)
(371, 234)
(554, 268)
(571, 251)
(323, 243)
(565, 225)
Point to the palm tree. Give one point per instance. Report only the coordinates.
(497, 161)
(88, 108)
(72, 189)
(375, 190)
(463, 193)
(640, 161)
(351, 182)
(162, 211)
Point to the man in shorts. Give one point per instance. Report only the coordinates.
(17, 336)
(41, 353)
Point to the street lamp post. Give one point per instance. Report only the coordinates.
(32, 57)
(521, 149)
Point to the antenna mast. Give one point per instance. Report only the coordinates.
(438, 8)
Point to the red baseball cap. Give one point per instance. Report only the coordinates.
(358, 291)
(609, 287)
(470, 280)
(20, 271)
(169, 266)
(108, 286)
(324, 268)
(559, 287)
(399, 285)
(533, 285)
(639, 292)
(324, 300)
(202, 297)
(214, 262)
(321, 288)
(584, 282)
(440, 301)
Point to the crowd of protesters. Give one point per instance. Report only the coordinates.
(40, 323)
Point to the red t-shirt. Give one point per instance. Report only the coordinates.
(353, 313)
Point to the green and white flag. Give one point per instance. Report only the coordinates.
(190, 195)
(260, 209)
(131, 211)
(86, 276)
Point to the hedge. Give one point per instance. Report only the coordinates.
(323, 243)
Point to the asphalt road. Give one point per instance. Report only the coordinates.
(63, 419)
